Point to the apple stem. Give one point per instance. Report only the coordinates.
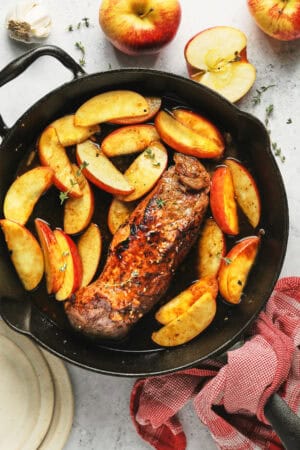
(145, 14)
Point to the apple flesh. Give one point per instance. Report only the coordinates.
(139, 27)
(71, 268)
(222, 201)
(235, 268)
(118, 213)
(129, 139)
(100, 170)
(24, 193)
(217, 58)
(154, 104)
(279, 19)
(25, 253)
(211, 249)
(90, 247)
(70, 134)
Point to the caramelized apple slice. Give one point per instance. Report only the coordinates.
(70, 134)
(146, 170)
(118, 213)
(129, 139)
(235, 268)
(246, 191)
(24, 193)
(25, 253)
(90, 248)
(184, 139)
(52, 154)
(100, 170)
(189, 324)
(154, 104)
(111, 105)
(222, 201)
(211, 249)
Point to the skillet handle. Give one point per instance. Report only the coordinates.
(17, 66)
(284, 422)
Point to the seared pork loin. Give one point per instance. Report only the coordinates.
(144, 253)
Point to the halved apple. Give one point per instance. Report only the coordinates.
(235, 268)
(53, 154)
(90, 247)
(217, 58)
(100, 170)
(71, 268)
(185, 139)
(246, 191)
(189, 324)
(53, 258)
(222, 201)
(118, 213)
(129, 139)
(154, 104)
(25, 252)
(111, 105)
(146, 170)
(78, 212)
(180, 304)
(211, 249)
(70, 134)
(24, 193)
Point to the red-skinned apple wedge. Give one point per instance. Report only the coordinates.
(217, 58)
(71, 268)
(90, 247)
(118, 213)
(129, 139)
(139, 27)
(100, 170)
(279, 19)
(111, 105)
(154, 104)
(52, 256)
(235, 268)
(184, 139)
(25, 253)
(211, 249)
(52, 154)
(246, 191)
(222, 201)
(24, 193)
(78, 212)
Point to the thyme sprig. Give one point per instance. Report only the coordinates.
(257, 98)
(79, 45)
(150, 155)
(64, 195)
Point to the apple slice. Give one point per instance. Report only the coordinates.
(146, 170)
(52, 256)
(118, 213)
(53, 154)
(70, 134)
(211, 249)
(235, 268)
(180, 304)
(222, 201)
(24, 193)
(25, 253)
(189, 324)
(184, 139)
(246, 191)
(90, 248)
(100, 170)
(78, 212)
(129, 139)
(199, 124)
(111, 105)
(154, 104)
(71, 268)
(217, 58)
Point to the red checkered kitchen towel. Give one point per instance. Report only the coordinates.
(229, 399)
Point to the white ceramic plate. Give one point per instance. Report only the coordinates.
(26, 392)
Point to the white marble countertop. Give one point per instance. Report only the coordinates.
(102, 416)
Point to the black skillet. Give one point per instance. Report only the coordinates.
(43, 319)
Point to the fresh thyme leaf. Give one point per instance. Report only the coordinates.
(66, 253)
(289, 121)
(70, 28)
(149, 154)
(160, 202)
(109, 66)
(277, 151)
(78, 25)
(227, 260)
(86, 21)
(257, 98)
(63, 196)
(79, 45)
(63, 267)
(73, 182)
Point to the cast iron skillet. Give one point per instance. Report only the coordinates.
(43, 319)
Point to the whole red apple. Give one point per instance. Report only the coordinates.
(139, 26)
(277, 18)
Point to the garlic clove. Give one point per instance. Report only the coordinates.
(28, 21)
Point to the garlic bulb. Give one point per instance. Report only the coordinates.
(28, 21)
